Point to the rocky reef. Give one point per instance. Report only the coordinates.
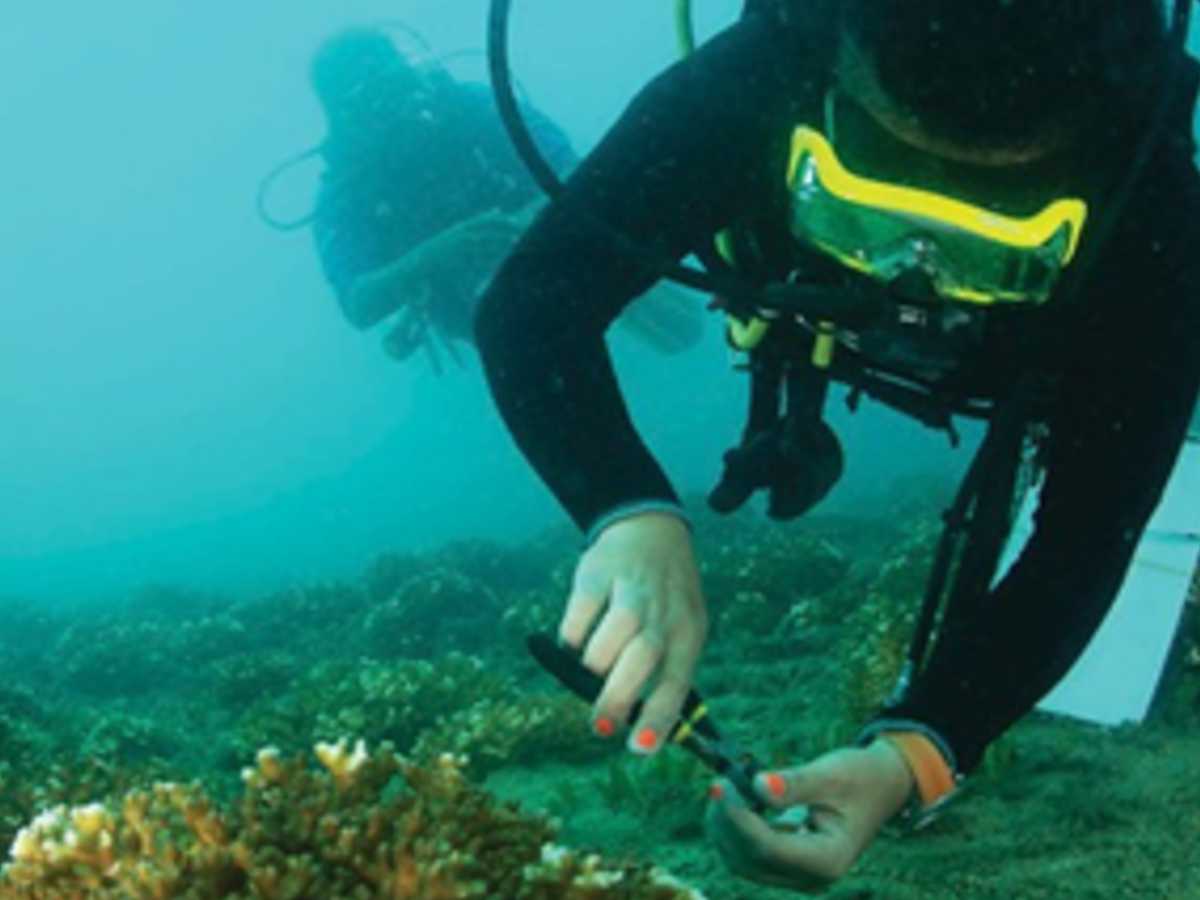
(448, 765)
(365, 824)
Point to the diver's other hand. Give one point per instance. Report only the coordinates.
(848, 794)
(641, 581)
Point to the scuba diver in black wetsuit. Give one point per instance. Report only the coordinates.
(984, 209)
(423, 196)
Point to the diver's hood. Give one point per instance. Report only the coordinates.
(349, 60)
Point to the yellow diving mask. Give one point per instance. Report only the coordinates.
(967, 252)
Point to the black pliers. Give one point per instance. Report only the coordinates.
(694, 731)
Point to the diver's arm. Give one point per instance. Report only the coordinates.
(685, 157)
(347, 250)
(1115, 439)
(373, 296)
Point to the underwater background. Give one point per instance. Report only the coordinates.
(232, 530)
(182, 399)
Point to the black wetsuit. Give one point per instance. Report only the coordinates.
(704, 146)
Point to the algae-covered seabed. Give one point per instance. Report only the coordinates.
(1077, 813)
(809, 622)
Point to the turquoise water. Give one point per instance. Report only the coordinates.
(182, 401)
(228, 520)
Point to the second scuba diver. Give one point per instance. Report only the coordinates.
(991, 198)
(423, 195)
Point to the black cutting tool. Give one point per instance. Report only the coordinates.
(694, 731)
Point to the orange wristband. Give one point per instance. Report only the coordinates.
(934, 779)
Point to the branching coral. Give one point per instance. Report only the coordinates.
(431, 612)
(124, 737)
(455, 704)
(754, 574)
(382, 701)
(879, 630)
(397, 702)
(125, 657)
(315, 617)
(507, 567)
(23, 727)
(28, 629)
(527, 612)
(240, 680)
(26, 790)
(366, 825)
(495, 733)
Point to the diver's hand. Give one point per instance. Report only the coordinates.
(849, 795)
(641, 574)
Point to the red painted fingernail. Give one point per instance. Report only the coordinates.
(604, 726)
(775, 784)
(716, 791)
(647, 738)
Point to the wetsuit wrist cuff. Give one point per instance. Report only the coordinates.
(929, 759)
(636, 508)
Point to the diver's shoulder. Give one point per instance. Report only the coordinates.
(766, 54)
(808, 26)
